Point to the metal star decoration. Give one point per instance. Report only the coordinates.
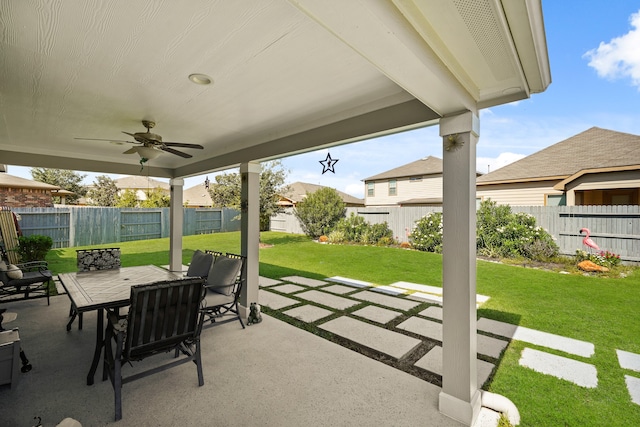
(206, 183)
(328, 164)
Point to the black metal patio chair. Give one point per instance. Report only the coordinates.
(163, 316)
(224, 284)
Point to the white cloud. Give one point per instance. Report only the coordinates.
(489, 164)
(621, 56)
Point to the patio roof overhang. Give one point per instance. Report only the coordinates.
(288, 76)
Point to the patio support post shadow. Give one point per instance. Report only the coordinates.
(176, 213)
(460, 397)
(250, 232)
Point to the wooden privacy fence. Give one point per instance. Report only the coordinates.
(85, 226)
(613, 228)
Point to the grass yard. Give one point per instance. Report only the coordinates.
(602, 311)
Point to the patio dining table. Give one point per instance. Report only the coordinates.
(102, 289)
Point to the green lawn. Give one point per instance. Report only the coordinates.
(603, 311)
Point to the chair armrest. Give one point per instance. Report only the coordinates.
(33, 266)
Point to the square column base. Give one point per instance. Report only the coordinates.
(460, 410)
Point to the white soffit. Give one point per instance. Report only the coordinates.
(474, 39)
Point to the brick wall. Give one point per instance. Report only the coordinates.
(25, 198)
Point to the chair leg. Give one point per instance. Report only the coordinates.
(117, 378)
(239, 317)
(199, 364)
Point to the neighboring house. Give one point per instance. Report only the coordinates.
(197, 197)
(299, 190)
(16, 192)
(140, 184)
(595, 167)
(417, 183)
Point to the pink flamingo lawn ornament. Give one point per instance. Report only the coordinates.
(587, 241)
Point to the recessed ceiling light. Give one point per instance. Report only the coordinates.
(200, 79)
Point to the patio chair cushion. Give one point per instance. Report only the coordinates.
(223, 274)
(200, 264)
(13, 272)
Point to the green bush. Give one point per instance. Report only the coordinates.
(353, 227)
(427, 234)
(336, 236)
(320, 211)
(501, 233)
(33, 248)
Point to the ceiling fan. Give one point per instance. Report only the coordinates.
(150, 145)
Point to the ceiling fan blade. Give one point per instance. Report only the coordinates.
(183, 145)
(132, 150)
(110, 140)
(176, 152)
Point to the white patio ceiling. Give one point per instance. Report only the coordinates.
(288, 76)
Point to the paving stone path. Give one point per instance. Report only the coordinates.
(385, 319)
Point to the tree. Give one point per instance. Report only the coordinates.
(104, 192)
(128, 199)
(156, 198)
(226, 191)
(319, 212)
(65, 179)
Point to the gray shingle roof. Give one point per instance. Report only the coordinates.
(139, 182)
(197, 195)
(592, 149)
(12, 181)
(425, 166)
(298, 190)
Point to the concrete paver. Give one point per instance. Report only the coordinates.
(433, 312)
(266, 281)
(389, 290)
(383, 340)
(633, 385)
(491, 347)
(327, 299)
(288, 288)
(350, 282)
(432, 361)
(274, 301)
(629, 360)
(423, 327)
(421, 296)
(304, 281)
(338, 289)
(544, 339)
(580, 373)
(386, 300)
(377, 314)
(308, 313)
(418, 287)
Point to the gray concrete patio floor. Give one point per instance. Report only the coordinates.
(270, 374)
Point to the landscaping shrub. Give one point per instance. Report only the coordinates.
(501, 233)
(336, 236)
(320, 211)
(34, 247)
(353, 227)
(427, 234)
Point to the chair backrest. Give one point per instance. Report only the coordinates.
(227, 274)
(162, 314)
(98, 259)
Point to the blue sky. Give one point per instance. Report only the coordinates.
(594, 52)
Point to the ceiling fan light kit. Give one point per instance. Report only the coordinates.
(150, 145)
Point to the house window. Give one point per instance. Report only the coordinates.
(415, 179)
(556, 200)
(371, 189)
(392, 187)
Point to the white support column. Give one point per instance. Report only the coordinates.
(460, 398)
(250, 232)
(176, 213)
